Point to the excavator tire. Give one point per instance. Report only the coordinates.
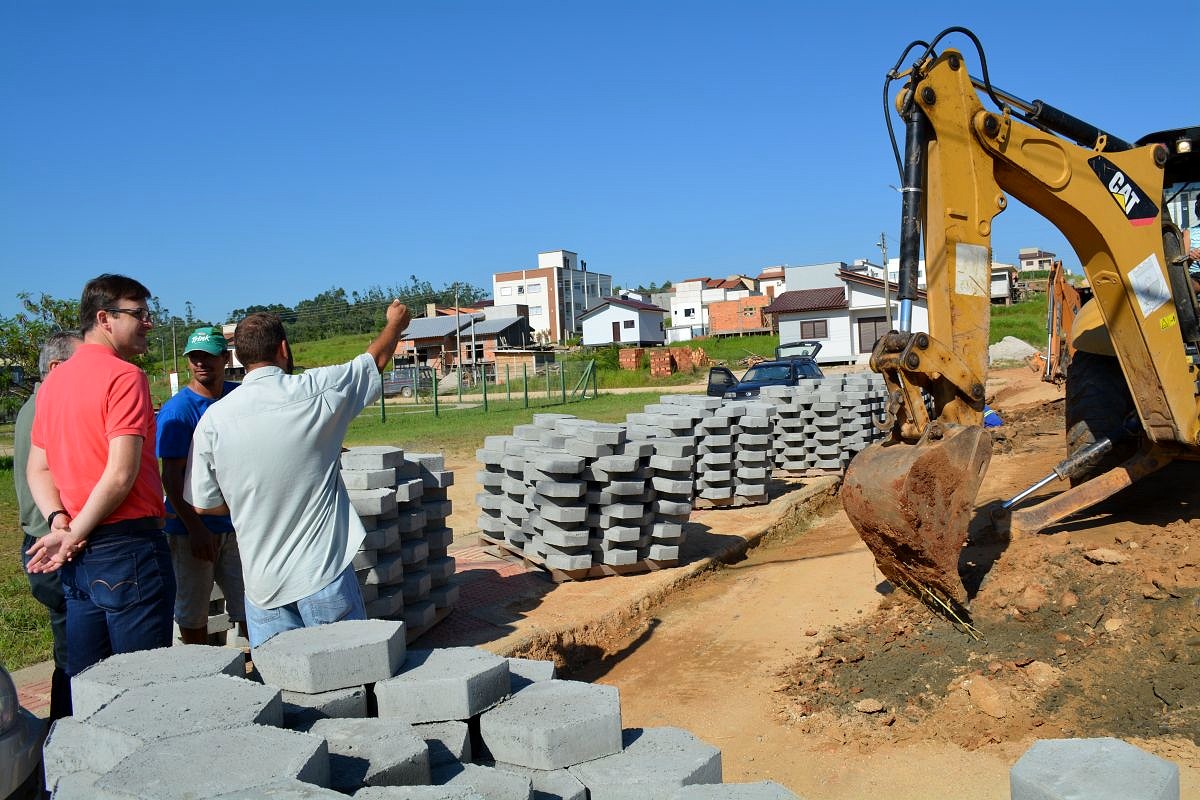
(1098, 401)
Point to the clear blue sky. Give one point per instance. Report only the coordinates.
(231, 152)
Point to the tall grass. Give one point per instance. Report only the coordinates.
(24, 624)
(1025, 320)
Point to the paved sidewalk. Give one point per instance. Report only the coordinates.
(509, 608)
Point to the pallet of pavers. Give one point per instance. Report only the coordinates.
(403, 566)
(578, 498)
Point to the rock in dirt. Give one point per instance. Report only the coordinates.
(1113, 625)
(1104, 555)
(1067, 601)
(1010, 348)
(1031, 599)
(1042, 674)
(987, 698)
(869, 706)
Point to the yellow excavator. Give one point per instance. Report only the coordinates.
(1132, 395)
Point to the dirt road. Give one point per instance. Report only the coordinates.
(769, 658)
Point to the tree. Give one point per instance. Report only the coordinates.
(21, 337)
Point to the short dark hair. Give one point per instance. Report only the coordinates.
(58, 347)
(257, 338)
(102, 292)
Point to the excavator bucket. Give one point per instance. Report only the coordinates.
(912, 504)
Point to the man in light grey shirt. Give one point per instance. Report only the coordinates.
(268, 455)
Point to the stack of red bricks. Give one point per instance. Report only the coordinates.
(661, 365)
(630, 357)
(682, 356)
(700, 358)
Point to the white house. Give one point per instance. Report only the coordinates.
(691, 298)
(846, 319)
(622, 321)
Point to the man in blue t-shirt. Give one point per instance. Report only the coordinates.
(203, 549)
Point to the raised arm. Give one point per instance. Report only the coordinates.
(384, 346)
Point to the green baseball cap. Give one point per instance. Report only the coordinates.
(209, 339)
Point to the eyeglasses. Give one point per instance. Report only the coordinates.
(141, 313)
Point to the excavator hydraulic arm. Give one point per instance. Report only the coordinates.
(912, 496)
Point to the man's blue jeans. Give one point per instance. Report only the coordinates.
(120, 592)
(341, 599)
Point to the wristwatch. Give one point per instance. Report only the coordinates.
(53, 514)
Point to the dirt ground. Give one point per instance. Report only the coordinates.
(804, 667)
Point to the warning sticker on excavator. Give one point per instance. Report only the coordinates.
(972, 270)
(1149, 285)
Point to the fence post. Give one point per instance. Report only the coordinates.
(548, 395)
(525, 382)
(562, 382)
(595, 385)
(435, 394)
(484, 385)
(382, 408)
(508, 380)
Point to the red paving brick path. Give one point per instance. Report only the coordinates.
(483, 580)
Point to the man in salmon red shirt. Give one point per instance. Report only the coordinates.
(93, 473)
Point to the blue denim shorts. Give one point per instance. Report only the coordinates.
(341, 599)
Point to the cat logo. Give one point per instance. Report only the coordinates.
(1133, 202)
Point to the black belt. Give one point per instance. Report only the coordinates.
(139, 525)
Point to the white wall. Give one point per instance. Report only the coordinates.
(687, 296)
(836, 346)
(647, 326)
(812, 276)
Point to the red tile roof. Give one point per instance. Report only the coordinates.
(808, 300)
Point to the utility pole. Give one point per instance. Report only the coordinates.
(458, 345)
(887, 295)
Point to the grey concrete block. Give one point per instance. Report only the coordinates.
(654, 762)
(373, 752)
(568, 562)
(411, 520)
(372, 457)
(386, 605)
(488, 782)
(440, 569)
(761, 790)
(417, 793)
(451, 683)
(602, 433)
(444, 596)
(448, 741)
(101, 682)
(195, 704)
(290, 789)
(82, 786)
(359, 479)
(1096, 769)
(368, 502)
(412, 552)
(553, 724)
(381, 537)
(335, 656)
(549, 784)
(74, 747)
(524, 671)
(387, 570)
(249, 756)
(578, 447)
(560, 489)
(617, 557)
(420, 615)
(663, 552)
(409, 490)
(416, 586)
(301, 709)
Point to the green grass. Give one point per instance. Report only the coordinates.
(1025, 320)
(24, 624)
(459, 432)
(730, 350)
(334, 350)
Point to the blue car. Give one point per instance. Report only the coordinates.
(791, 364)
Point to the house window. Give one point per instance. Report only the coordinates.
(520, 290)
(506, 291)
(535, 289)
(814, 329)
(535, 311)
(689, 312)
(627, 324)
(748, 311)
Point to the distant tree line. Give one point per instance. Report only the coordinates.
(330, 313)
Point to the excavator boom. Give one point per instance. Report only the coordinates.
(912, 496)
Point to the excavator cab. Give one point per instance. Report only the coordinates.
(912, 496)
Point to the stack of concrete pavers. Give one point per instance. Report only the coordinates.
(404, 568)
(619, 500)
(1098, 769)
(491, 478)
(370, 476)
(753, 435)
(557, 509)
(456, 723)
(862, 399)
(715, 455)
(436, 481)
